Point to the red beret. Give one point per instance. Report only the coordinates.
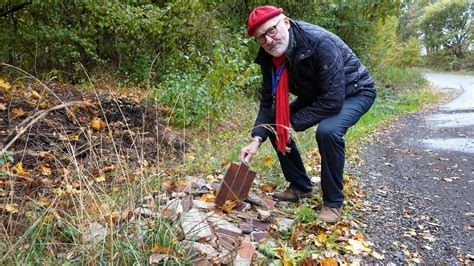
(260, 15)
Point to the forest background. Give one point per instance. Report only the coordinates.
(193, 60)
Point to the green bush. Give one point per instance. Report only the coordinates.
(405, 54)
(128, 36)
(206, 84)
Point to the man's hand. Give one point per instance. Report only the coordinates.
(247, 152)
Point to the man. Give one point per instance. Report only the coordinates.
(333, 91)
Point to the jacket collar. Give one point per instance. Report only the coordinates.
(300, 50)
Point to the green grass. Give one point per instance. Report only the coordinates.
(433, 70)
(213, 149)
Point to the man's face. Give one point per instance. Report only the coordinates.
(276, 45)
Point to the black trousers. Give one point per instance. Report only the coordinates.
(330, 138)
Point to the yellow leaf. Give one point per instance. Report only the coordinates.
(377, 255)
(44, 104)
(20, 84)
(323, 238)
(45, 202)
(267, 160)
(228, 206)
(11, 207)
(73, 137)
(208, 198)
(18, 112)
(357, 247)
(328, 262)
(59, 191)
(35, 95)
(100, 179)
(5, 84)
(97, 123)
(18, 169)
(46, 171)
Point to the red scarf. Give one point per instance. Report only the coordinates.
(282, 120)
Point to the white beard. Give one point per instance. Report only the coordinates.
(279, 49)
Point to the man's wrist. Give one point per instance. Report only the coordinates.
(257, 139)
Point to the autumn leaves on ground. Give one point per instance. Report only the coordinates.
(99, 175)
(88, 176)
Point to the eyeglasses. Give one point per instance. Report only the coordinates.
(271, 32)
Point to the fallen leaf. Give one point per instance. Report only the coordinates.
(267, 160)
(3, 107)
(328, 262)
(322, 238)
(268, 188)
(161, 250)
(18, 169)
(45, 170)
(208, 197)
(377, 255)
(294, 236)
(73, 137)
(20, 84)
(416, 260)
(18, 112)
(10, 207)
(156, 258)
(228, 206)
(97, 124)
(116, 217)
(45, 202)
(168, 185)
(357, 246)
(35, 95)
(100, 179)
(5, 84)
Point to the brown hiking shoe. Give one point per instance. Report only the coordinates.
(292, 194)
(330, 215)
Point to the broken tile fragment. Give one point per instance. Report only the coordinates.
(203, 204)
(264, 215)
(285, 224)
(204, 250)
(228, 242)
(195, 226)
(244, 206)
(174, 206)
(95, 233)
(219, 222)
(269, 203)
(144, 212)
(256, 200)
(246, 228)
(259, 236)
(245, 254)
(187, 202)
(227, 232)
(263, 226)
(156, 258)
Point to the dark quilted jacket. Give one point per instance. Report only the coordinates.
(323, 71)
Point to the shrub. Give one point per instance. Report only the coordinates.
(205, 86)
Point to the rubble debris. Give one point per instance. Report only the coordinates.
(195, 226)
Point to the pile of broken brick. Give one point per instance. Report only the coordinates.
(210, 235)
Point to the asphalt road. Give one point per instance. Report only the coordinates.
(419, 178)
